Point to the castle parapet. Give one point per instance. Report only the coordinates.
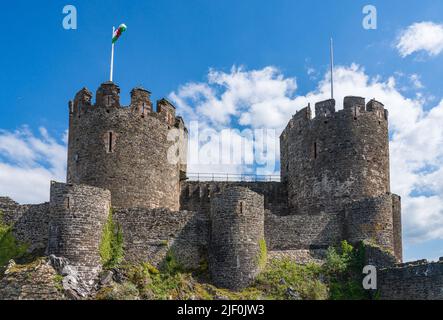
(325, 108)
(83, 99)
(166, 111)
(108, 95)
(378, 108)
(141, 101)
(354, 104)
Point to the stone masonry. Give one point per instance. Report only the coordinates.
(335, 186)
(237, 227)
(79, 214)
(125, 149)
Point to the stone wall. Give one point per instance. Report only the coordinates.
(79, 214)
(237, 228)
(377, 256)
(149, 234)
(371, 219)
(303, 231)
(420, 280)
(11, 210)
(196, 195)
(300, 256)
(125, 149)
(31, 223)
(335, 157)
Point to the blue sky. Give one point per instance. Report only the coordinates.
(171, 44)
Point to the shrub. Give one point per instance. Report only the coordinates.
(280, 274)
(111, 244)
(343, 268)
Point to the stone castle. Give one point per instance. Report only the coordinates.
(335, 186)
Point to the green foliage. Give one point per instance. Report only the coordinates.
(10, 248)
(58, 279)
(338, 259)
(283, 273)
(168, 284)
(343, 268)
(263, 254)
(338, 278)
(171, 266)
(111, 244)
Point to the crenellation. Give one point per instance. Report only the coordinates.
(354, 104)
(335, 186)
(166, 111)
(108, 96)
(82, 101)
(141, 101)
(325, 108)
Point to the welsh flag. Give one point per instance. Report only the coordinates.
(117, 33)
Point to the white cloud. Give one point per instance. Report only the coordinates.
(28, 163)
(265, 98)
(416, 82)
(422, 36)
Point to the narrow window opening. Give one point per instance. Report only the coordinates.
(241, 207)
(110, 138)
(315, 150)
(108, 101)
(68, 205)
(355, 113)
(143, 109)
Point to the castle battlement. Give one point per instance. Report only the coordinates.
(354, 108)
(108, 101)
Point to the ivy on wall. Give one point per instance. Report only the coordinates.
(111, 244)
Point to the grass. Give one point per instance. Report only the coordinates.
(338, 278)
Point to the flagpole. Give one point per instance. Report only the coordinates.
(112, 56)
(332, 69)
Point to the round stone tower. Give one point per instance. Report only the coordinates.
(237, 248)
(372, 219)
(78, 216)
(336, 157)
(135, 152)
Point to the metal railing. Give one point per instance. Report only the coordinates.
(232, 177)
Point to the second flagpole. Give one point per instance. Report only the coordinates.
(112, 56)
